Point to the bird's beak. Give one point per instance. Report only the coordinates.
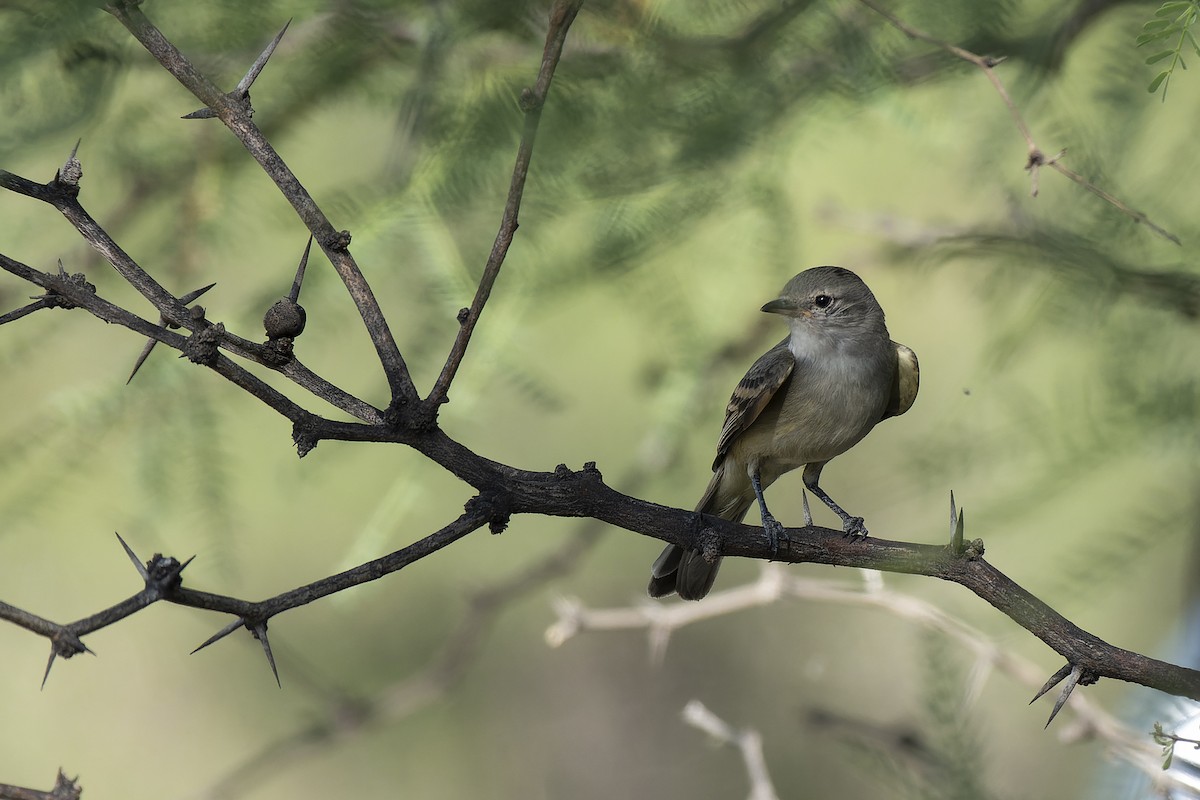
(781, 305)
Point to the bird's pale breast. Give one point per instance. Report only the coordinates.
(827, 406)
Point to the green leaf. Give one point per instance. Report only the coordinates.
(1167, 9)
(1157, 25)
(1154, 84)
(1157, 57)
(1146, 38)
(1167, 760)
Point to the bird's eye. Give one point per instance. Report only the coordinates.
(822, 301)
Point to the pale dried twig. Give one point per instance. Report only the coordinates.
(748, 742)
(661, 619)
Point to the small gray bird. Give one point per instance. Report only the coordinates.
(811, 397)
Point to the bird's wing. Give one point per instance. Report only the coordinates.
(753, 393)
(908, 380)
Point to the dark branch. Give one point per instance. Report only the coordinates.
(64, 789)
(568, 493)
(175, 314)
(478, 514)
(532, 100)
(102, 309)
(235, 114)
(354, 715)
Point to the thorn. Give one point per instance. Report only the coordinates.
(49, 664)
(243, 86)
(195, 294)
(808, 521)
(1068, 687)
(183, 566)
(66, 643)
(956, 527)
(71, 171)
(294, 296)
(66, 787)
(141, 359)
(1050, 684)
(203, 113)
(221, 634)
(62, 271)
(242, 90)
(260, 633)
(151, 341)
(137, 564)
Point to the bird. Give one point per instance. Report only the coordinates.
(807, 400)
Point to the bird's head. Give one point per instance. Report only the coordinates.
(828, 299)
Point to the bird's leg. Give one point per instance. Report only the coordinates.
(852, 526)
(770, 525)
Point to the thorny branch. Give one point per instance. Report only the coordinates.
(347, 716)
(64, 789)
(1037, 157)
(568, 493)
(162, 576)
(74, 291)
(235, 112)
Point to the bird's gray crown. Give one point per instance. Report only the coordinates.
(829, 296)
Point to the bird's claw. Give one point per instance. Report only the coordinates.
(775, 533)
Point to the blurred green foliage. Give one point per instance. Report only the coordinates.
(692, 157)
(1173, 21)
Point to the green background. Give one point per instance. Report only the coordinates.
(682, 174)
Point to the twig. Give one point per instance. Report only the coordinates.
(661, 620)
(17, 313)
(64, 789)
(162, 578)
(583, 493)
(347, 717)
(219, 363)
(235, 114)
(175, 313)
(478, 514)
(532, 100)
(747, 741)
(1036, 156)
(1137, 216)
(64, 197)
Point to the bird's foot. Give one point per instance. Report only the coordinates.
(854, 526)
(775, 533)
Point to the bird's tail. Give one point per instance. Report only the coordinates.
(685, 571)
